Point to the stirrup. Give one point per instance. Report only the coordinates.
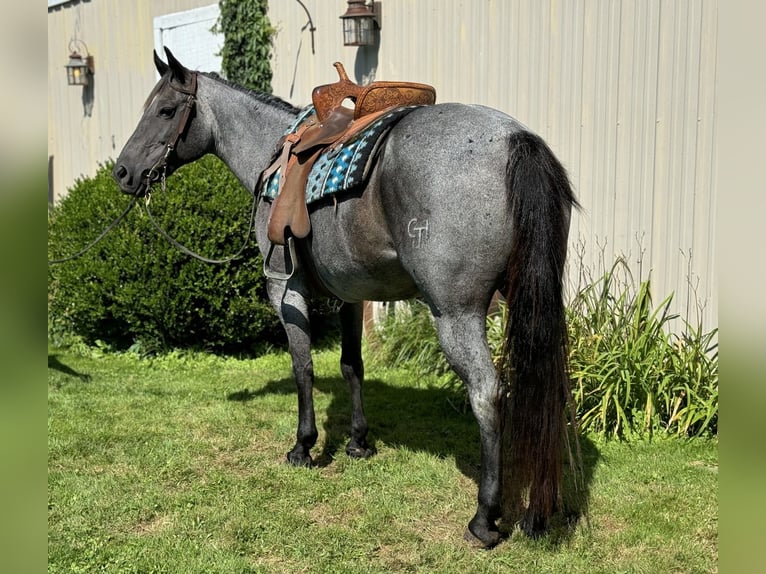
(291, 256)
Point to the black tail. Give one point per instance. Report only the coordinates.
(534, 359)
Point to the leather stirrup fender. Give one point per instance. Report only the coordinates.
(289, 208)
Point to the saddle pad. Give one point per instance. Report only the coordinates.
(340, 168)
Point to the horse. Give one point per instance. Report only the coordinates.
(497, 205)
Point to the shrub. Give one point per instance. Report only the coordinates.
(133, 288)
(632, 373)
(407, 336)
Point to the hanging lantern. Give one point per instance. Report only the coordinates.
(359, 23)
(79, 68)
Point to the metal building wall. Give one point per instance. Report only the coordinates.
(622, 90)
(88, 126)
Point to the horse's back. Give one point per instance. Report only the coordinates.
(452, 161)
(445, 169)
(435, 217)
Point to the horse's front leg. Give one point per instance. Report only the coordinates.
(352, 368)
(291, 304)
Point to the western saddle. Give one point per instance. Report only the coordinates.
(332, 125)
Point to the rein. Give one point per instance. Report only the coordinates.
(186, 250)
(92, 244)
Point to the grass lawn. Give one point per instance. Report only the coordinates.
(176, 465)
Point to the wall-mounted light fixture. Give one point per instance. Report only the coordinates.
(79, 69)
(359, 23)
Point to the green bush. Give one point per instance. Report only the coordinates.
(135, 289)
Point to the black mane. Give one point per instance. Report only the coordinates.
(269, 99)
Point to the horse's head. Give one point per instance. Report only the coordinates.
(166, 136)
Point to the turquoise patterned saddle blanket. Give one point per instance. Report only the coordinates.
(341, 167)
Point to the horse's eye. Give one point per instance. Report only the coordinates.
(167, 113)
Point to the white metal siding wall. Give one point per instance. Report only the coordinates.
(622, 90)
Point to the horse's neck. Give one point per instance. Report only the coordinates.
(245, 130)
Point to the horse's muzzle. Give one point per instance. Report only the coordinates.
(131, 185)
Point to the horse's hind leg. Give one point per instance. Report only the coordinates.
(292, 308)
(352, 368)
(464, 342)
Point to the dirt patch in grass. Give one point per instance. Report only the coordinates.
(610, 524)
(397, 557)
(153, 525)
(278, 564)
(712, 467)
(324, 514)
(236, 463)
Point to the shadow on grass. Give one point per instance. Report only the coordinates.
(56, 365)
(427, 419)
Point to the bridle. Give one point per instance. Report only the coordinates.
(191, 98)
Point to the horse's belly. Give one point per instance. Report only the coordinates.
(353, 252)
(381, 278)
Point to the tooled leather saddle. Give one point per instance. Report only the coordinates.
(331, 125)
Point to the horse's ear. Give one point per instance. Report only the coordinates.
(161, 66)
(180, 73)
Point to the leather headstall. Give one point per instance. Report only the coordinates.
(191, 98)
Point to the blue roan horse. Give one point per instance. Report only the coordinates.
(497, 205)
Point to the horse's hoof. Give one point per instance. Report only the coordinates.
(482, 537)
(298, 459)
(355, 451)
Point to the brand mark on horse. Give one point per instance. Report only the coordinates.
(419, 233)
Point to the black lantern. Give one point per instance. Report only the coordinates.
(79, 68)
(359, 23)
